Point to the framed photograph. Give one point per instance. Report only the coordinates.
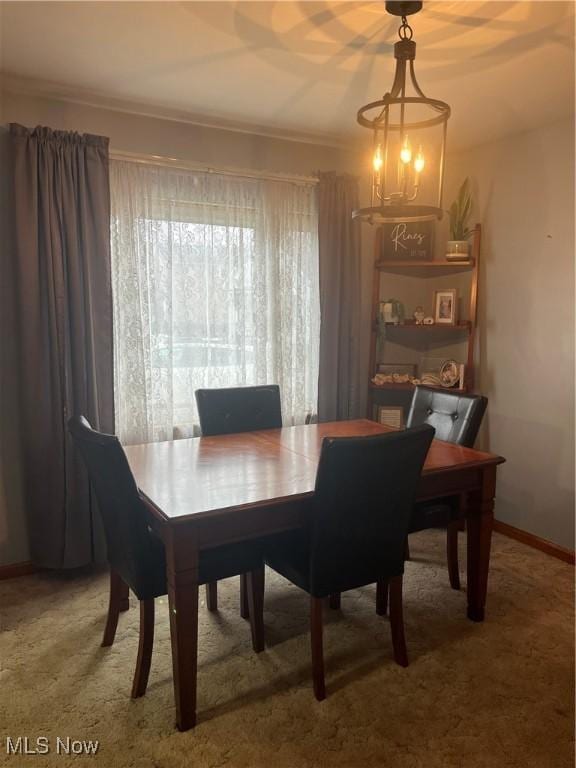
(445, 306)
(407, 240)
(390, 416)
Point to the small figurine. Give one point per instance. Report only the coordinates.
(419, 315)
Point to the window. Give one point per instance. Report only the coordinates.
(215, 284)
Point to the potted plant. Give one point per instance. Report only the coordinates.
(457, 247)
(392, 311)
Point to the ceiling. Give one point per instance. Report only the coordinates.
(298, 67)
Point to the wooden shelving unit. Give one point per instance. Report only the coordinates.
(464, 332)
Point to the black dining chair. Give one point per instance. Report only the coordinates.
(456, 419)
(239, 409)
(359, 517)
(136, 556)
(231, 410)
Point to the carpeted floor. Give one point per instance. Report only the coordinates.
(495, 694)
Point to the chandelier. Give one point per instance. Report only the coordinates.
(409, 140)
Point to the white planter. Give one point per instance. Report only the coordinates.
(457, 250)
(388, 313)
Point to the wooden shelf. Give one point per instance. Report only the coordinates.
(428, 328)
(391, 386)
(443, 263)
(409, 386)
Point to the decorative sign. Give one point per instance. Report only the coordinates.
(407, 240)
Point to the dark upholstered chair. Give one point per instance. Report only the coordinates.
(231, 410)
(239, 409)
(359, 519)
(135, 554)
(456, 419)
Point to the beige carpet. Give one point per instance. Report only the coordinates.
(475, 695)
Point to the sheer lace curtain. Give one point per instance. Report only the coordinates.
(215, 284)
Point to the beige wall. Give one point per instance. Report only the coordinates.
(185, 141)
(524, 193)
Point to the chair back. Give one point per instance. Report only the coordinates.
(365, 490)
(239, 409)
(455, 417)
(133, 551)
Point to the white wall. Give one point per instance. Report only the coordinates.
(524, 193)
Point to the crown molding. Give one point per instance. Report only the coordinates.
(44, 89)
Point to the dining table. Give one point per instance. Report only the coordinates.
(210, 491)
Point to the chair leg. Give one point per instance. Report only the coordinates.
(124, 596)
(212, 596)
(255, 588)
(334, 601)
(145, 644)
(316, 605)
(397, 622)
(244, 606)
(452, 553)
(381, 597)
(118, 595)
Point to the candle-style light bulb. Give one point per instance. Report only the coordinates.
(419, 161)
(406, 151)
(377, 159)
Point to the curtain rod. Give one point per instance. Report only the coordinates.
(174, 162)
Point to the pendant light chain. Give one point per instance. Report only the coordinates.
(405, 31)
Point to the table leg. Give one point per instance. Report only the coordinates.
(479, 519)
(182, 576)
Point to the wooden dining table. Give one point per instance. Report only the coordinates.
(209, 491)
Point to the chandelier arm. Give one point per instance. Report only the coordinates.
(383, 182)
(419, 90)
(402, 110)
(442, 163)
(399, 83)
(376, 170)
(384, 112)
(415, 82)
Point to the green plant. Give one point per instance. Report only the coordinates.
(460, 212)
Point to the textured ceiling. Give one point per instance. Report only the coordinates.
(300, 67)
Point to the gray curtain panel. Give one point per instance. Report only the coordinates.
(61, 278)
(339, 248)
